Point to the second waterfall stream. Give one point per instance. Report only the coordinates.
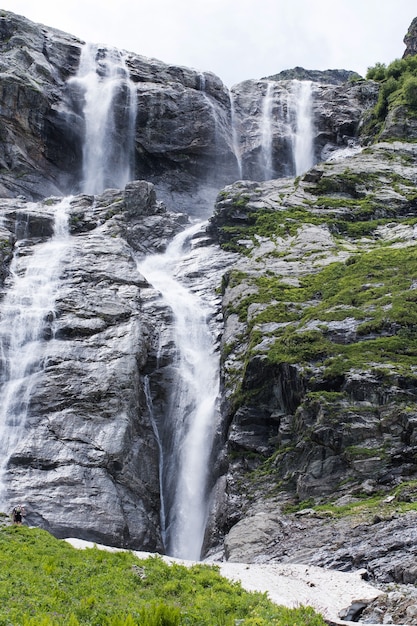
(187, 432)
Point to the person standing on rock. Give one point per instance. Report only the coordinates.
(17, 515)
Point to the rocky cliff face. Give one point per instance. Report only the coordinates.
(87, 461)
(35, 61)
(319, 377)
(316, 276)
(182, 143)
(337, 110)
(410, 40)
(189, 139)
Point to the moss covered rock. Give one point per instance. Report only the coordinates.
(319, 354)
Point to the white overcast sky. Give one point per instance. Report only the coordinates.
(237, 39)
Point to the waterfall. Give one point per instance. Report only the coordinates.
(235, 137)
(26, 312)
(211, 105)
(287, 111)
(303, 138)
(266, 132)
(186, 434)
(109, 113)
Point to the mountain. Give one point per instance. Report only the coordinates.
(306, 274)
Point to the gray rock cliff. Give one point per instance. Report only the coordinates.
(317, 415)
(337, 110)
(310, 276)
(87, 462)
(189, 139)
(410, 40)
(182, 142)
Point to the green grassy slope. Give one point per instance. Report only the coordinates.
(45, 582)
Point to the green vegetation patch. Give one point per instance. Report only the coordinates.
(377, 290)
(398, 87)
(344, 216)
(46, 582)
(400, 500)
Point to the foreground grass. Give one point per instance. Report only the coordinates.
(47, 582)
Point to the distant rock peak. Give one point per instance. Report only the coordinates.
(328, 77)
(410, 40)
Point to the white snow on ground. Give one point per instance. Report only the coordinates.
(291, 585)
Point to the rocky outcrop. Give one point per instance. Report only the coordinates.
(87, 462)
(189, 140)
(337, 110)
(35, 61)
(410, 40)
(183, 134)
(331, 77)
(316, 411)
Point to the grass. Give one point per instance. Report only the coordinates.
(400, 500)
(47, 582)
(376, 289)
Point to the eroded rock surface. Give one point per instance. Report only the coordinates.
(300, 431)
(336, 114)
(87, 461)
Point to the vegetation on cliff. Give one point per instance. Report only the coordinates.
(397, 92)
(46, 582)
(398, 85)
(321, 343)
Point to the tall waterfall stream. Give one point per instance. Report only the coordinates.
(186, 434)
(108, 146)
(25, 312)
(294, 109)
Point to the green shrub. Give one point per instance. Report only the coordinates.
(47, 582)
(398, 85)
(377, 72)
(410, 92)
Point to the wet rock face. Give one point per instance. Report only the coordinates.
(34, 63)
(297, 431)
(188, 139)
(87, 462)
(183, 134)
(336, 113)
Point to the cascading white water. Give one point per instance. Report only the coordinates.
(29, 302)
(109, 116)
(235, 137)
(192, 415)
(266, 132)
(303, 146)
(290, 109)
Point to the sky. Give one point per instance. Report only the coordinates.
(237, 39)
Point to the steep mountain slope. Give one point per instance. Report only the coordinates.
(319, 361)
